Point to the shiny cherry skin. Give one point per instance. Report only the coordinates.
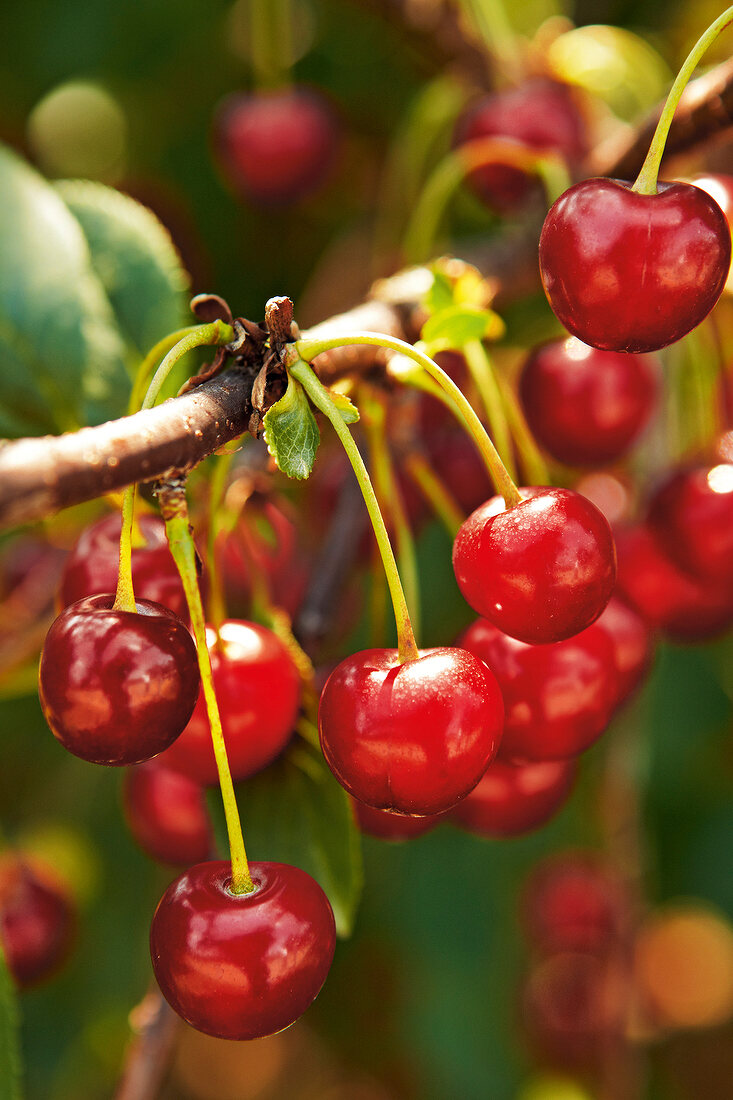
(632, 644)
(675, 602)
(37, 919)
(276, 147)
(93, 565)
(558, 698)
(574, 902)
(631, 272)
(242, 966)
(540, 571)
(584, 406)
(386, 825)
(412, 738)
(541, 114)
(166, 814)
(258, 691)
(691, 514)
(512, 799)
(720, 188)
(117, 687)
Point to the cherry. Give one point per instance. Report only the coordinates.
(37, 919)
(93, 564)
(542, 570)
(626, 271)
(631, 641)
(586, 406)
(258, 691)
(266, 537)
(242, 966)
(166, 814)
(542, 114)
(720, 188)
(691, 514)
(414, 737)
(573, 902)
(558, 698)
(276, 147)
(387, 825)
(117, 687)
(511, 799)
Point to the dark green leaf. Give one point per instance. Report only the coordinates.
(456, 326)
(9, 1043)
(291, 432)
(134, 259)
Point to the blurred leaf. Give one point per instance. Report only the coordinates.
(291, 432)
(61, 360)
(134, 259)
(9, 1045)
(456, 326)
(440, 294)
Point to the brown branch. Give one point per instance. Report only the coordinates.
(151, 1051)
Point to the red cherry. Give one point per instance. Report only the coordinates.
(586, 406)
(258, 691)
(37, 919)
(630, 272)
(93, 565)
(117, 687)
(671, 600)
(242, 966)
(541, 114)
(387, 825)
(512, 799)
(542, 570)
(267, 537)
(692, 516)
(166, 814)
(558, 698)
(573, 902)
(414, 737)
(276, 147)
(631, 641)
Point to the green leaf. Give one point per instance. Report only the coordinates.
(135, 260)
(291, 432)
(346, 407)
(61, 354)
(440, 295)
(10, 1068)
(456, 326)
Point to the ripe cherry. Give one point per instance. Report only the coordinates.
(37, 919)
(117, 687)
(386, 825)
(166, 814)
(542, 570)
(412, 738)
(276, 147)
(558, 698)
(242, 966)
(511, 799)
(691, 514)
(574, 902)
(93, 564)
(626, 271)
(541, 114)
(586, 406)
(631, 642)
(258, 691)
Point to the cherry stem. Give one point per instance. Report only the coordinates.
(317, 392)
(213, 334)
(482, 373)
(125, 595)
(310, 348)
(530, 457)
(435, 492)
(646, 181)
(271, 47)
(150, 362)
(491, 21)
(449, 174)
(174, 509)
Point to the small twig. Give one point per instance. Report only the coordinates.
(151, 1051)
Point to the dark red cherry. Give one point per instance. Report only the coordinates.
(412, 738)
(691, 514)
(276, 147)
(258, 691)
(117, 687)
(541, 114)
(386, 825)
(37, 919)
(585, 406)
(511, 799)
(242, 966)
(542, 570)
(93, 564)
(166, 814)
(631, 641)
(673, 601)
(574, 902)
(630, 272)
(558, 699)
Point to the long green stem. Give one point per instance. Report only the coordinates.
(216, 333)
(646, 181)
(183, 550)
(309, 348)
(482, 372)
(150, 362)
(125, 596)
(435, 492)
(303, 373)
(530, 457)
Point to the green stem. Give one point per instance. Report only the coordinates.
(214, 334)
(492, 23)
(271, 50)
(646, 181)
(125, 596)
(149, 363)
(303, 373)
(310, 348)
(217, 485)
(530, 457)
(435, 492)
(482, 372)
